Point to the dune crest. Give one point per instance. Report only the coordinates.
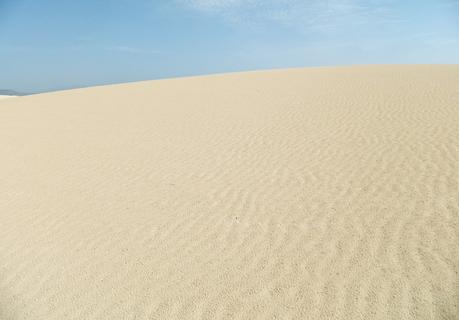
(321, 193)
(5, 97)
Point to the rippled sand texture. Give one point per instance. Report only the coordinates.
(323, 193)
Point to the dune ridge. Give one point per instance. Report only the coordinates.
(320, 193)
(5, 97)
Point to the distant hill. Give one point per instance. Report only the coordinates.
(10, 93)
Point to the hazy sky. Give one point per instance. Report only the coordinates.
(55, 44)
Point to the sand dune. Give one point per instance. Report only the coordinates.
(322, 193)
(5, 97)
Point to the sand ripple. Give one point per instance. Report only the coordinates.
(324, 193)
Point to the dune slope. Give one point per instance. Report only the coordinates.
(322, 193)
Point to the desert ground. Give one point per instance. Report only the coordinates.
(317, 193)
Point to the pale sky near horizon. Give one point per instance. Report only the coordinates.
(57, 44)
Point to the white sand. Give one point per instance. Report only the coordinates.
(324, 193)
(5, 97)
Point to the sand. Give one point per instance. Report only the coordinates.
(5, 97)
(321, 193)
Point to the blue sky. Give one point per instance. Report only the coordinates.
(57, 44)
